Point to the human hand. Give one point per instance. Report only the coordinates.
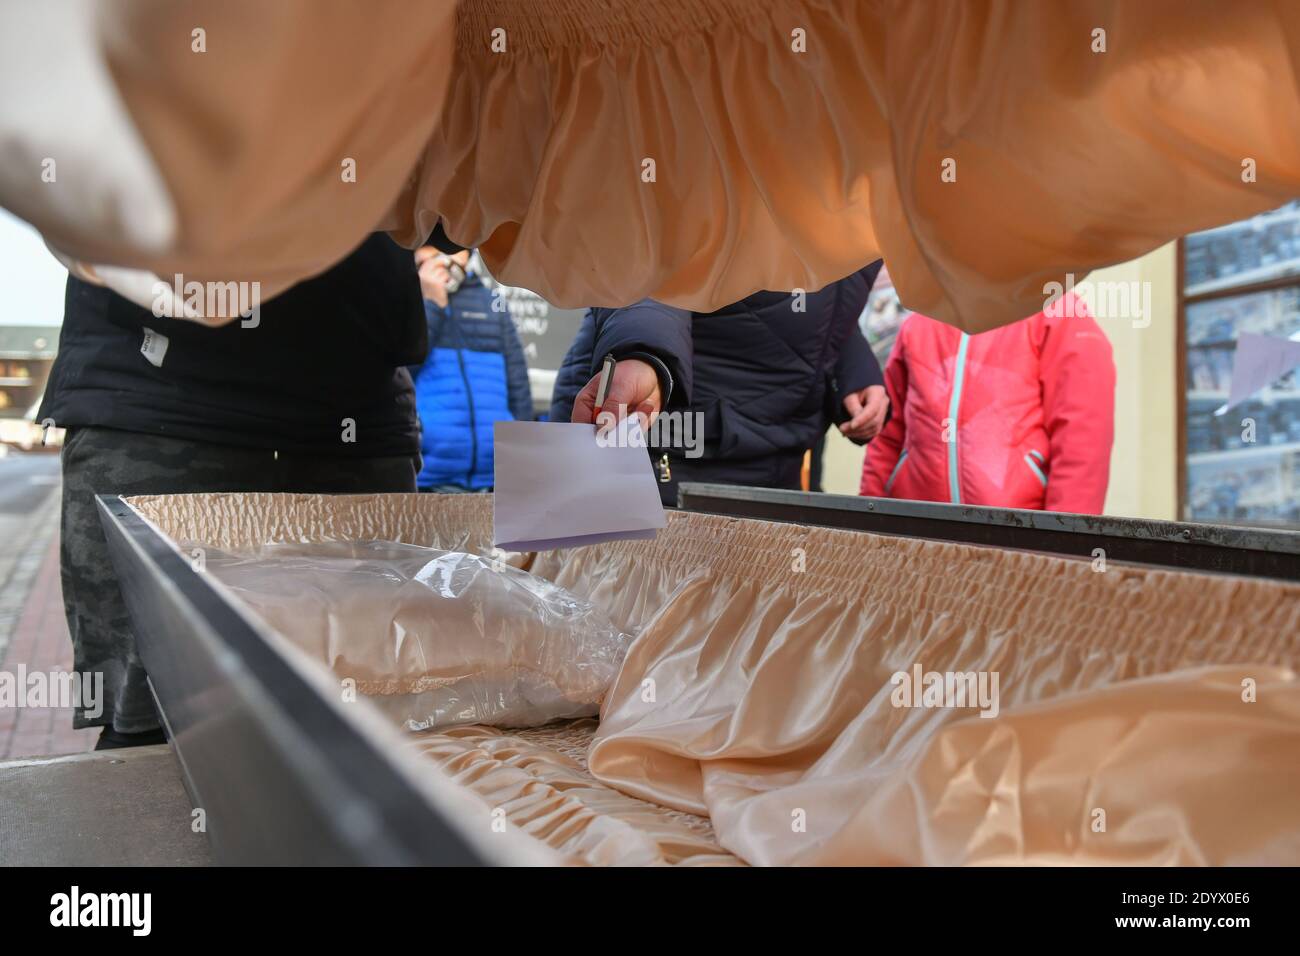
(867, 408)
(436, 279)
(634, 388)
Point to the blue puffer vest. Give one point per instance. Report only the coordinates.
(465, 385)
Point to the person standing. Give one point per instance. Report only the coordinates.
(764, 377)
(1019, 417)
(474, 375)
(310, 396)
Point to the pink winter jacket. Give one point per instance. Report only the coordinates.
(1034, 409)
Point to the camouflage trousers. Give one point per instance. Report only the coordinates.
(105, 461)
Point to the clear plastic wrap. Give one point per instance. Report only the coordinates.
(433, 638)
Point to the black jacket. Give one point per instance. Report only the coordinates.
(766, 377)
(327, 351)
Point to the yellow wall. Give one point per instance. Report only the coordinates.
(842, 465)
(1144, 463)
(1143, 467)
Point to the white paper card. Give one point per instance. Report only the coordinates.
(559, 486)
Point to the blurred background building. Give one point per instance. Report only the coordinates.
(26, 354)
(31, 311)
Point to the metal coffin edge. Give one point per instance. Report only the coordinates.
(1188, 546)
(282, 774)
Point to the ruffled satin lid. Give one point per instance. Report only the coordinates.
(601, 151)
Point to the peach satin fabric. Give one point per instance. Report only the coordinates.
(757, 693)
(792, 141)
(760, 695)
(537, 781)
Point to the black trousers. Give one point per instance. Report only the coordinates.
(105, 461)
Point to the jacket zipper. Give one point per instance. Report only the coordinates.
(894, 474)
(469, 395)
(954, 409)
(1033, 466)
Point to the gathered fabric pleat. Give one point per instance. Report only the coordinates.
(1140, 716)
(694, 151)
(528, 782)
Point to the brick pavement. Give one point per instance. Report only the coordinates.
(40, 641)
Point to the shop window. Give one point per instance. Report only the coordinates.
(1240, 463)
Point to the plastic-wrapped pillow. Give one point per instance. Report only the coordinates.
(434, 638)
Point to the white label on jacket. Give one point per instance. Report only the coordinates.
(154, 347)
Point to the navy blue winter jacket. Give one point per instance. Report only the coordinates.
(766, 377)
(475, 375)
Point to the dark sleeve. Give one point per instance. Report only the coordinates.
(377, 288)
(518, 391)
(853, 358)
(433, 319)
(649, 330)
(856, 366)
(574, 371)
